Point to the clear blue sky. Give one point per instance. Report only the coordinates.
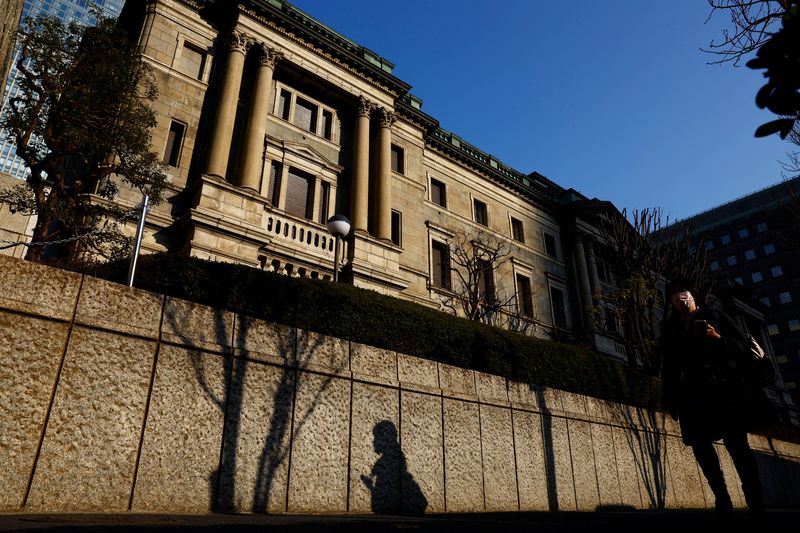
(613, 98)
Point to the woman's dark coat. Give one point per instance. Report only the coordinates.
(706, 382)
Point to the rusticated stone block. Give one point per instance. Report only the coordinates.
(375, 454)
(606, 465)
(574, 404)
(421, 436)
(38, 289)
(600, 410)
(264, 341)
(457, 382)
(556, 439)
(491, 388)
(116, 307)
(417, 374)
(523, 395)
(462, 448)
(684, 475)
(583, 465)
(255, 456)
(183, 436)
(549, 400)
(373, 364)
(322, 353)
(499, 468)
(731, 479)
(532, 467)
(197, 326)
(632, 465)
(30, 354)
(318, 477)
(89, 451)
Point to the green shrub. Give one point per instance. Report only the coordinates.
(367, 317)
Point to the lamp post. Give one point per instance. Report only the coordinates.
(138, 244)
(339, 227)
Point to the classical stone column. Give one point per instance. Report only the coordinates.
(360, 199)
(594, 279)
(584, 287)
(222, 133)
(384, 193)
(257, 120)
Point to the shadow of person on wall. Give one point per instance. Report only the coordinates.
(387, 495)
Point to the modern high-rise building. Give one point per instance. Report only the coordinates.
(66, 10)
(753, 242)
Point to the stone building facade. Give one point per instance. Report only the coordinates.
(270, 123)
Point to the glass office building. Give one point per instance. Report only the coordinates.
(66, 10)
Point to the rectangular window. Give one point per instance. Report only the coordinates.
(559, 307)
(550, 245)
(766, 301)
(725, 239)
(398, 161)
(440, 264)
(517, 232)
(769, 248)
(397, 228)
(756, 277)
(714, 266)
(172, 152)
(324, 199)
(709, 244)
(192, 62)
(731, 260)
(327, 124)
(438, 193)
(739, 280)
(299, 193)
(794, 325)
(750, 255)
(524, 296)
(761, 227)
(743, 233)
(481, 214)
(486, 288)
(305, 115)
(611, 320)
(776, 271)
(773, 330)
(274, 187)
(785, 297)
(284, 103)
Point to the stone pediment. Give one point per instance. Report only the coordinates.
(311, 154)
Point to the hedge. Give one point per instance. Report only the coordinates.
(364, 316)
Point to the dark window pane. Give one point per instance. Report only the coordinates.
(298, 193)
(283, 104)
(305, 115)
(324, 198)
(397, 228)
(525, 298)
(172, 151)
(438, 194)
(481, 216)
(274, 187)
(559, 309)
(516, 230)
(327, 125)
(397, 159)
(550, 245)
(441, 265)
(192, 61)
(486, 289)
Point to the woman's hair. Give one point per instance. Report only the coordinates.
(678, 285)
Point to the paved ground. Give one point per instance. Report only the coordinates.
(597, 522)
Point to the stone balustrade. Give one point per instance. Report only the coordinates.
(119, 400)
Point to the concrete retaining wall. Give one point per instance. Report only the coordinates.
(115, 399)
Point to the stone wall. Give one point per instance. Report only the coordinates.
(115, 399)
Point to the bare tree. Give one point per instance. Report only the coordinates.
(646, 251)
(477, 293)
(753, 22)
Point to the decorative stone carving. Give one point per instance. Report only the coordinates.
(268, 57)
(365, 107)
(238, 42)
(386, 118)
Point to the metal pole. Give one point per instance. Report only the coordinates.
(336, 261)
(138, 243)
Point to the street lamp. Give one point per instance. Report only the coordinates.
(339, 227)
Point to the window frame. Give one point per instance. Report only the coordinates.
(400, 159)
(288, 114)
(186, 44)
(442, 187)
(517, 224)
(173, 150)
(445, 270)
(479, 206)
(398, 226)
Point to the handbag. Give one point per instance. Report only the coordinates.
(755, 349)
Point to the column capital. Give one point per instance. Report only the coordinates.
(386, 118)
(268, 57)
(237, 41)
(365, 107)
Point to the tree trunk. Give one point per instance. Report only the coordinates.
(39, 235)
